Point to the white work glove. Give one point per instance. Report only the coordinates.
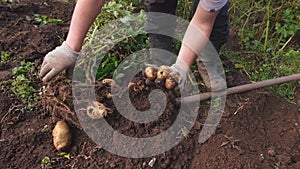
(179, 68)
(59, 59)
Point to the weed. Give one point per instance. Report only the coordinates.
(9, 1)
(184, 9)
(276, 166)
(65, 155)
(46, 129)
(116, 26)
(4, 57)
(44, 19)
(23, 68)
(46, 161)
(266, 31)
(22, 85)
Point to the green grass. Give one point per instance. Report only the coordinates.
(266, 44)
(4, 57)
(44, 19)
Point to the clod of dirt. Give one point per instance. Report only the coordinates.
(297, 165)
(96, 110)
(58, 100)
(149, 83)
(150, 73)
(283, 159)
(137, 86)
(61, 135)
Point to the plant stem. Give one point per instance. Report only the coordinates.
(286, 43)
(268, 25)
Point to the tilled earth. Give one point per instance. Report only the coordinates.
(257, 130)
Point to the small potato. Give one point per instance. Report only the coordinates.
(163, 72)
(170, 83)
(172, 80)
(96, 110)
(110, 82)
(61, 135)
(131, 84)
(109, 95)
(150, 73)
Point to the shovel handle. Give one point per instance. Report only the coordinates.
(239, 89)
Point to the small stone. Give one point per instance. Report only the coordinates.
(74, 149)
(271, 151)
(165, 164)
(152, 162)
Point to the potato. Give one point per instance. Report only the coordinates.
(96, 110)
(173, 79)
(170, 83)
(110, 82)
(150, 73)
(131, 84)
(163, 72)
(61, 135)
(109, 95)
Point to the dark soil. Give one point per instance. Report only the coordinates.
(258, 128)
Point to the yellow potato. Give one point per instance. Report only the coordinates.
(109, 95)
(131, 84)
(170, 83)
(96, 110)
(163, 72)
(150, 73)
(108, 81)
(61, 135)
(173, 79)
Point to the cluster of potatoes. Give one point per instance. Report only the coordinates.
(96, 110)
(171, 79)
(61, 132)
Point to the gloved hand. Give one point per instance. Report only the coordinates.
(180, 69)
(59, 59)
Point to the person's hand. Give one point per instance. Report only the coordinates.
(180, 70)
(59, 59)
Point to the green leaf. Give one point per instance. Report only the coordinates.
(239, 66)
(46, 160)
